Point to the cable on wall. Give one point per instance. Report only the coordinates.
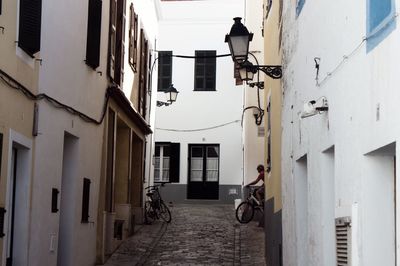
(199, 129)
(11, 82)
(348, 56)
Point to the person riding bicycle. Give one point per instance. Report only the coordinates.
(261, 190)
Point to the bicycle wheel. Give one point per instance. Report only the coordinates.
(149, 213)
(244, 212)
(165, 214)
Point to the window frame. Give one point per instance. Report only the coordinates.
(204, 168)
(384, 21)
(174, 162)
(29, 29)
(299, 6)
(143, 74)
(161, 64)
(205, 54)
(133, 38)
(93, 34)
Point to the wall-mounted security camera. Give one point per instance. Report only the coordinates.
(314, 107)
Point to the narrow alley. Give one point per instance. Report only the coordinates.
(198, 235)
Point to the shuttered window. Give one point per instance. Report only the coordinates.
(30, 13)
(93, 34)
(117, 41)
(85, 200)
(205, 68)
(133, 38)
(166, 162)
(143, 73)
(164, 70)
(112, 38)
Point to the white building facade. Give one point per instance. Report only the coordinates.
(198, 139)
(339, 165)
(73, 168)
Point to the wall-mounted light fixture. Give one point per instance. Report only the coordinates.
(171, 94)
(238, 40)
(313, 107)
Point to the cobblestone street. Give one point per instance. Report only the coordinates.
(197, 235)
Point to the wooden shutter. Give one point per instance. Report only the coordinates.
(164, 70)
(133, 24)
(112, 39)
(174, 162)
(85, 200)
(135, 41)
(120, 43)
(93, 34)
(205, 71)
(143, 73)
(30, 13)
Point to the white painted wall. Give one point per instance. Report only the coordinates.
(363, 85)
(187, 26)
(65, 76)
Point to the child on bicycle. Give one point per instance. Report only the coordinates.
(261, 190)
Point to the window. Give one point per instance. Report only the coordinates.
(166, 162)
(85, 200)
(204, 163)
(379, 14)
(93, 34)
(205, 68)
(164, 70)
(143, 73)
(299, 6)
(117, 41)
(133, 38)
(30, 13)
(0, 6)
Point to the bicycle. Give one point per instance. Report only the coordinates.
(245, 210)
(155, 207)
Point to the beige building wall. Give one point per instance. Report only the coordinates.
(273, 96)
(273, 105)
(16, 110)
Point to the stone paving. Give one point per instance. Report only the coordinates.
(197, 235)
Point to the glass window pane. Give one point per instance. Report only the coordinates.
(212, 151)
(212, 176)
(197, 152)
(157, 151)
(166, 151)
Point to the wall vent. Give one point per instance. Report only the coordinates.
(343, 241)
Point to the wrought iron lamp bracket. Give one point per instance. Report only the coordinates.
(159, 103)
(273, 71)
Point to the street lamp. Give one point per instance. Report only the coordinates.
(238, 40)
(171, 95)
